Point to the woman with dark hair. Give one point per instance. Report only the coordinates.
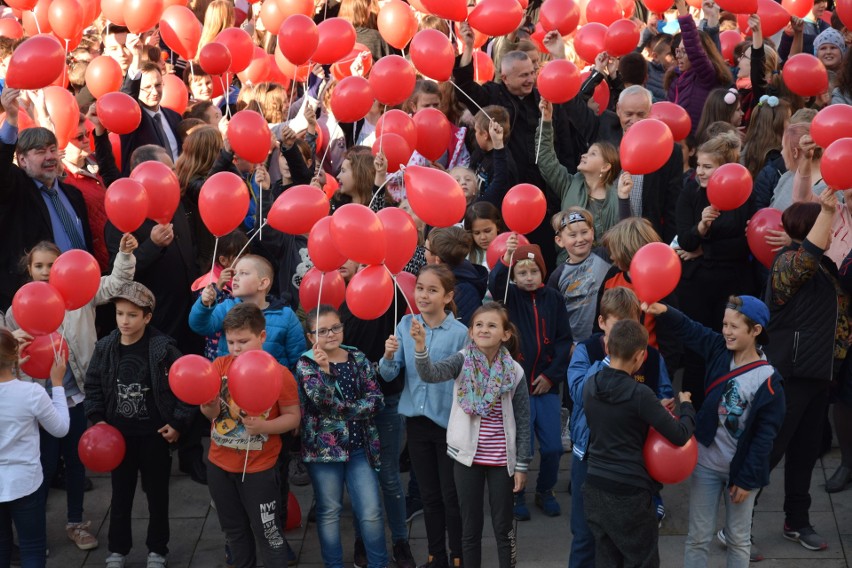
(842, 93)
(809, 326)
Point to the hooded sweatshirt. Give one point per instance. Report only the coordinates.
(471, 284)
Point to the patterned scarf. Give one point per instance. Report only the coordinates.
(481, 385)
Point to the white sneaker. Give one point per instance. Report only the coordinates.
(567, 444)
(157, 560)
(115, 560)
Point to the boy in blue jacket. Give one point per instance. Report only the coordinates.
(540, 315)
(252, 280)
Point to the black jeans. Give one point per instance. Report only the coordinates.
(624, 527)
(427, 446)
(800, 439)
(149, 456)
(470, 482)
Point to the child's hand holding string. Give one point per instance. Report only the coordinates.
(391, 347)
(418, 334)
(208, 296)
(128, 243)
(511, 246)
(225, 277)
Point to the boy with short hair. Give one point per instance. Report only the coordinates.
(127, 387)
(589, 357)
(242, 473)
(451, 246)
(617, 491)
(495, 168)
(545, 334)
(252, 279)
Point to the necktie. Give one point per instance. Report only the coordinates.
(161, 133)
(66, 220)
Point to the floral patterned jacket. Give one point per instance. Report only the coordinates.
(326, 414)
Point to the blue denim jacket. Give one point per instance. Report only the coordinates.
(418, 398)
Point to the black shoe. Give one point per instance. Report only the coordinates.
(292, 559)
(839, 480)
(312, 514)
(88, 485)
(197, 471)
(436, 562)
(16, 555)
(413, 507)
(402, 554)
(360, 555)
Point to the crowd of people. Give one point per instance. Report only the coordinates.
(514, 339)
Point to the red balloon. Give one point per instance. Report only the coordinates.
(223, 203)
(729, 187)
(291, 7)
(621, 38)
(175, 94)
(239, 45)
(455, 10)
(831, 124)
(358, 234)
(560, 15)
(432, 54)
(119, 113)
(77, 277)
(397, 122)
(181, 30)
(258, 69)
(524, 207)
(434, 133)
(392, 79)
(272, 16)
(39, 308)
(162, 187)
(559, 81)
(605, 12)
(21, 4)
(479, 38)
(729, 40)
(336, 39)
(434, 196)
(370, 293)
(739, 6)
(113, 11)
(254, 381)
(215, 58)
(321, 247)
(101, 448)
(64, 112)
(64, 18)
(655, 272)
(357, 62)
(497, 248)
(646, 147)
(9, 27)
(835, 164)
(805, 75)
(658, 6)
(41, 352)
(395, 149)
(667, 463)
(590, 40)
(36, 63)
(765, 220)
(142, 15)
(103, 75)
(37, 21)
(126, 204)
(483, 67)
(248, 133)
(298, 39)
(496, 17)
(400, 237)
(352, 99)
(844, 12)
(773, 18)
(333, 289)
(194, 380)
(397, 24)
(601, 94)
(115, 142)
(407, 282)
(298, 209)
(294, 511)
(675, 117)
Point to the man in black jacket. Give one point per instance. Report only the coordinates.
(34, 204)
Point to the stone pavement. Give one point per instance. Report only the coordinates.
(196, 540)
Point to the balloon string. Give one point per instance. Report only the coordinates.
(65, 67)
(475, 68)
(225, 95)
(319, 299)
(508, 280)
(38, 27)
(381, 138)
(242, 250)
(396, 283)
(191, 68)
(379, 189)
(260, 208)
(470, 99)
(213, 264)
(395, 302)
(292, 90)
(538, 144)
(245, 463)
(328, 145)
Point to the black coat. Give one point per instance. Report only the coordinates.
(146, 133)
(25, 220)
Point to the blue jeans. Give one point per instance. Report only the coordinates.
(75, 474)
(362, 484)
(546, 425)
(705, 488)
(28, 515)
(583, 543)
(390, 424)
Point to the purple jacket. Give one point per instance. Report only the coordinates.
(691, 88)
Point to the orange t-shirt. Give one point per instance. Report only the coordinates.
(229, 440)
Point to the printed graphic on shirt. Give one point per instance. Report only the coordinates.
(228, 429)
(131, 401)
(732, 407)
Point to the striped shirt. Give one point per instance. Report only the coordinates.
(491, 446)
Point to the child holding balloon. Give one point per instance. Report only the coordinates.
(25, 407)
(736, 427)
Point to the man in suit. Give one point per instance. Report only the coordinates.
(34, 204)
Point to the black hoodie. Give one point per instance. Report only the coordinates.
(619, 411)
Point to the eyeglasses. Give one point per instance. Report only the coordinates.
(680, 51)
(80, 137)
(326, 331)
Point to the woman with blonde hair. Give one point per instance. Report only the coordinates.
(218, 16)
(363, 15)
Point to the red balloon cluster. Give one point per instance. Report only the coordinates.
(254, 381)
(194, 380)
(667, 463)
(765, 220)
(101, 448)
(655, 271)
